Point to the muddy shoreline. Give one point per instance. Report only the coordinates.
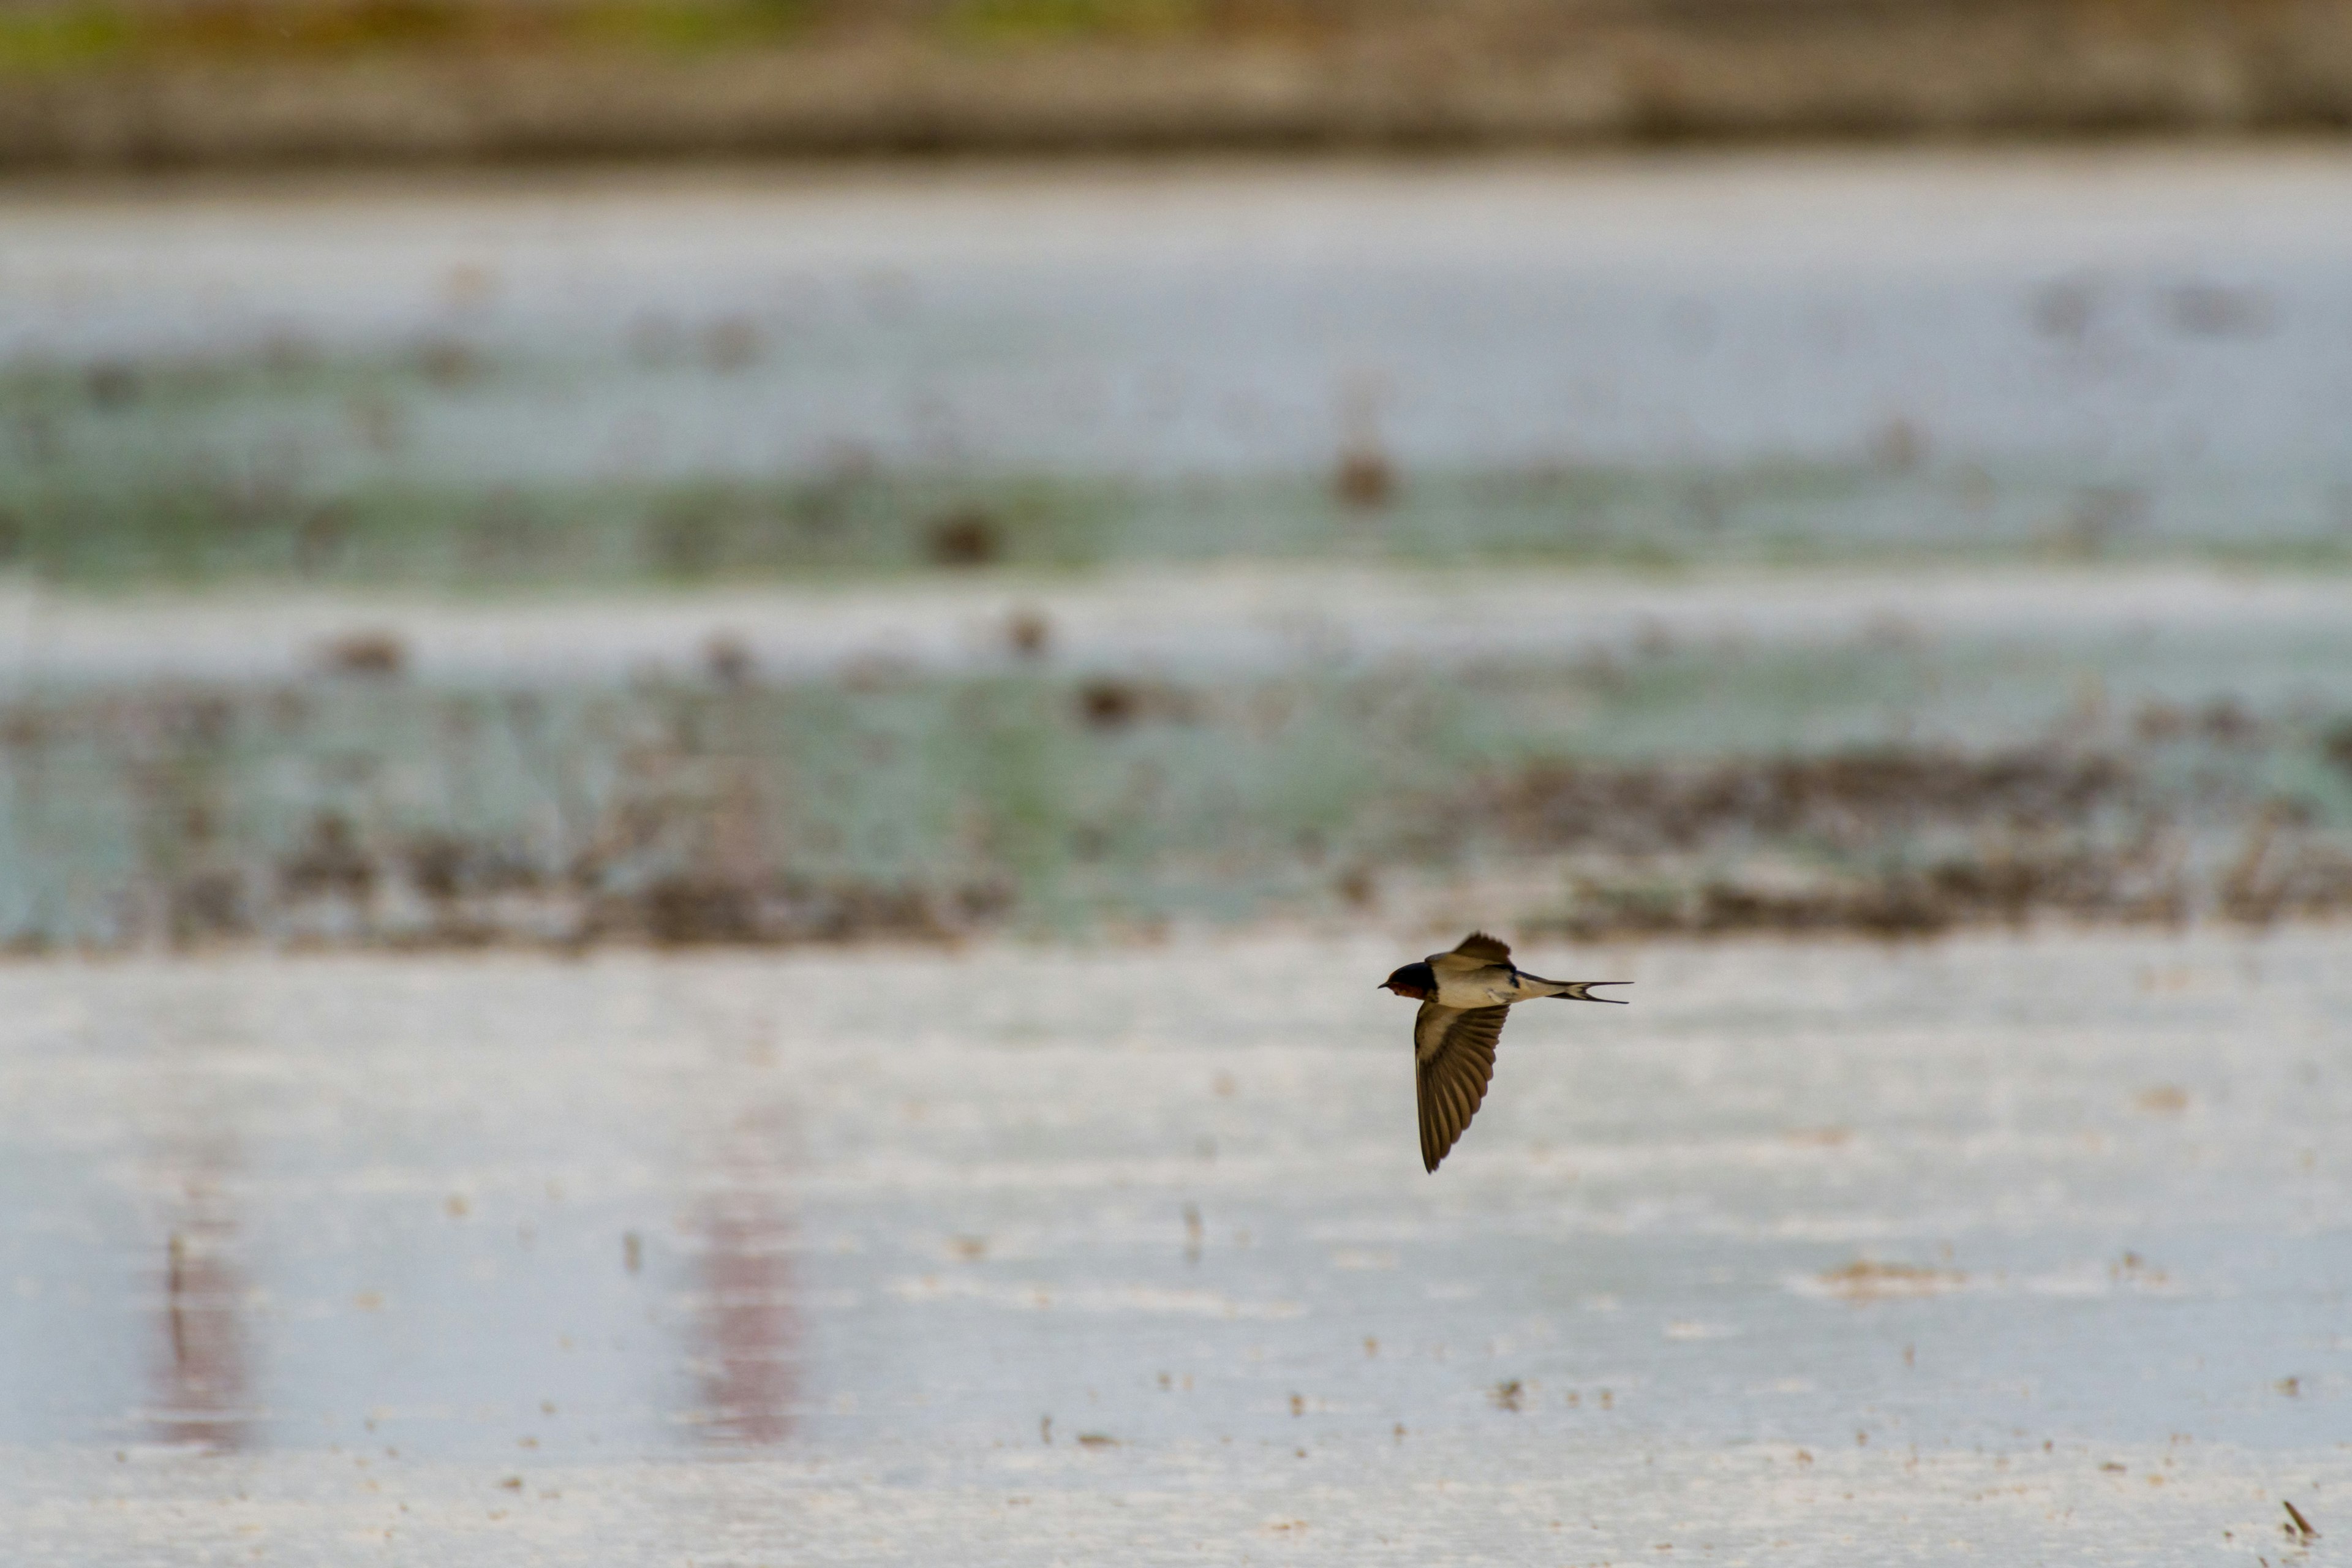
(452, 87)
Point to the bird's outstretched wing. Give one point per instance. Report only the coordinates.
(1484, 948)
(1454, 1059)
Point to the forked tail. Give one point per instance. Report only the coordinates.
(1581, 991)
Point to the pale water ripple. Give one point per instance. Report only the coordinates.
(1818, 1252)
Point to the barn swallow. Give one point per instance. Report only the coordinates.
(1464, 996)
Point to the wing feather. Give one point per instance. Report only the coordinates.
(1484, 948)
(1453, 1071)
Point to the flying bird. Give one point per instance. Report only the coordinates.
(1464, 997)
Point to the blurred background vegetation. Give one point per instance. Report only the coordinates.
(146, 81)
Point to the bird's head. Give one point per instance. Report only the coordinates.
(1417, 980)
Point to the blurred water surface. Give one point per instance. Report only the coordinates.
(480, 1252)
(1720, 357)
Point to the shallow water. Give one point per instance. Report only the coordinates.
(1744, 357)
(1608, 752)
(1011, 1254)
(2180, 633)
(2117, 303)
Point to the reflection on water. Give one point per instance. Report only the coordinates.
(201, 1388)
(954, 1200)
(204, 1369)
(742, 1332)
(530, 1226)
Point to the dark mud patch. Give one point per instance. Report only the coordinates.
(1847, 798)
(1891, 842)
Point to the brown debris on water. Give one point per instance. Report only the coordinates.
(1028, 632)
(330, 863)
(1109, 702)
(1868, 1280)
(729, 659)
(208, 906)
(966, 536)
(2285, 870)
(1365, 479)
(2335, 745)
(369, 654)
(448, 362)
(680, 911)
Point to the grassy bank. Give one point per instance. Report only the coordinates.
(125, 84)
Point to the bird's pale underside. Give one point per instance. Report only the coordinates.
(1465, 996)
